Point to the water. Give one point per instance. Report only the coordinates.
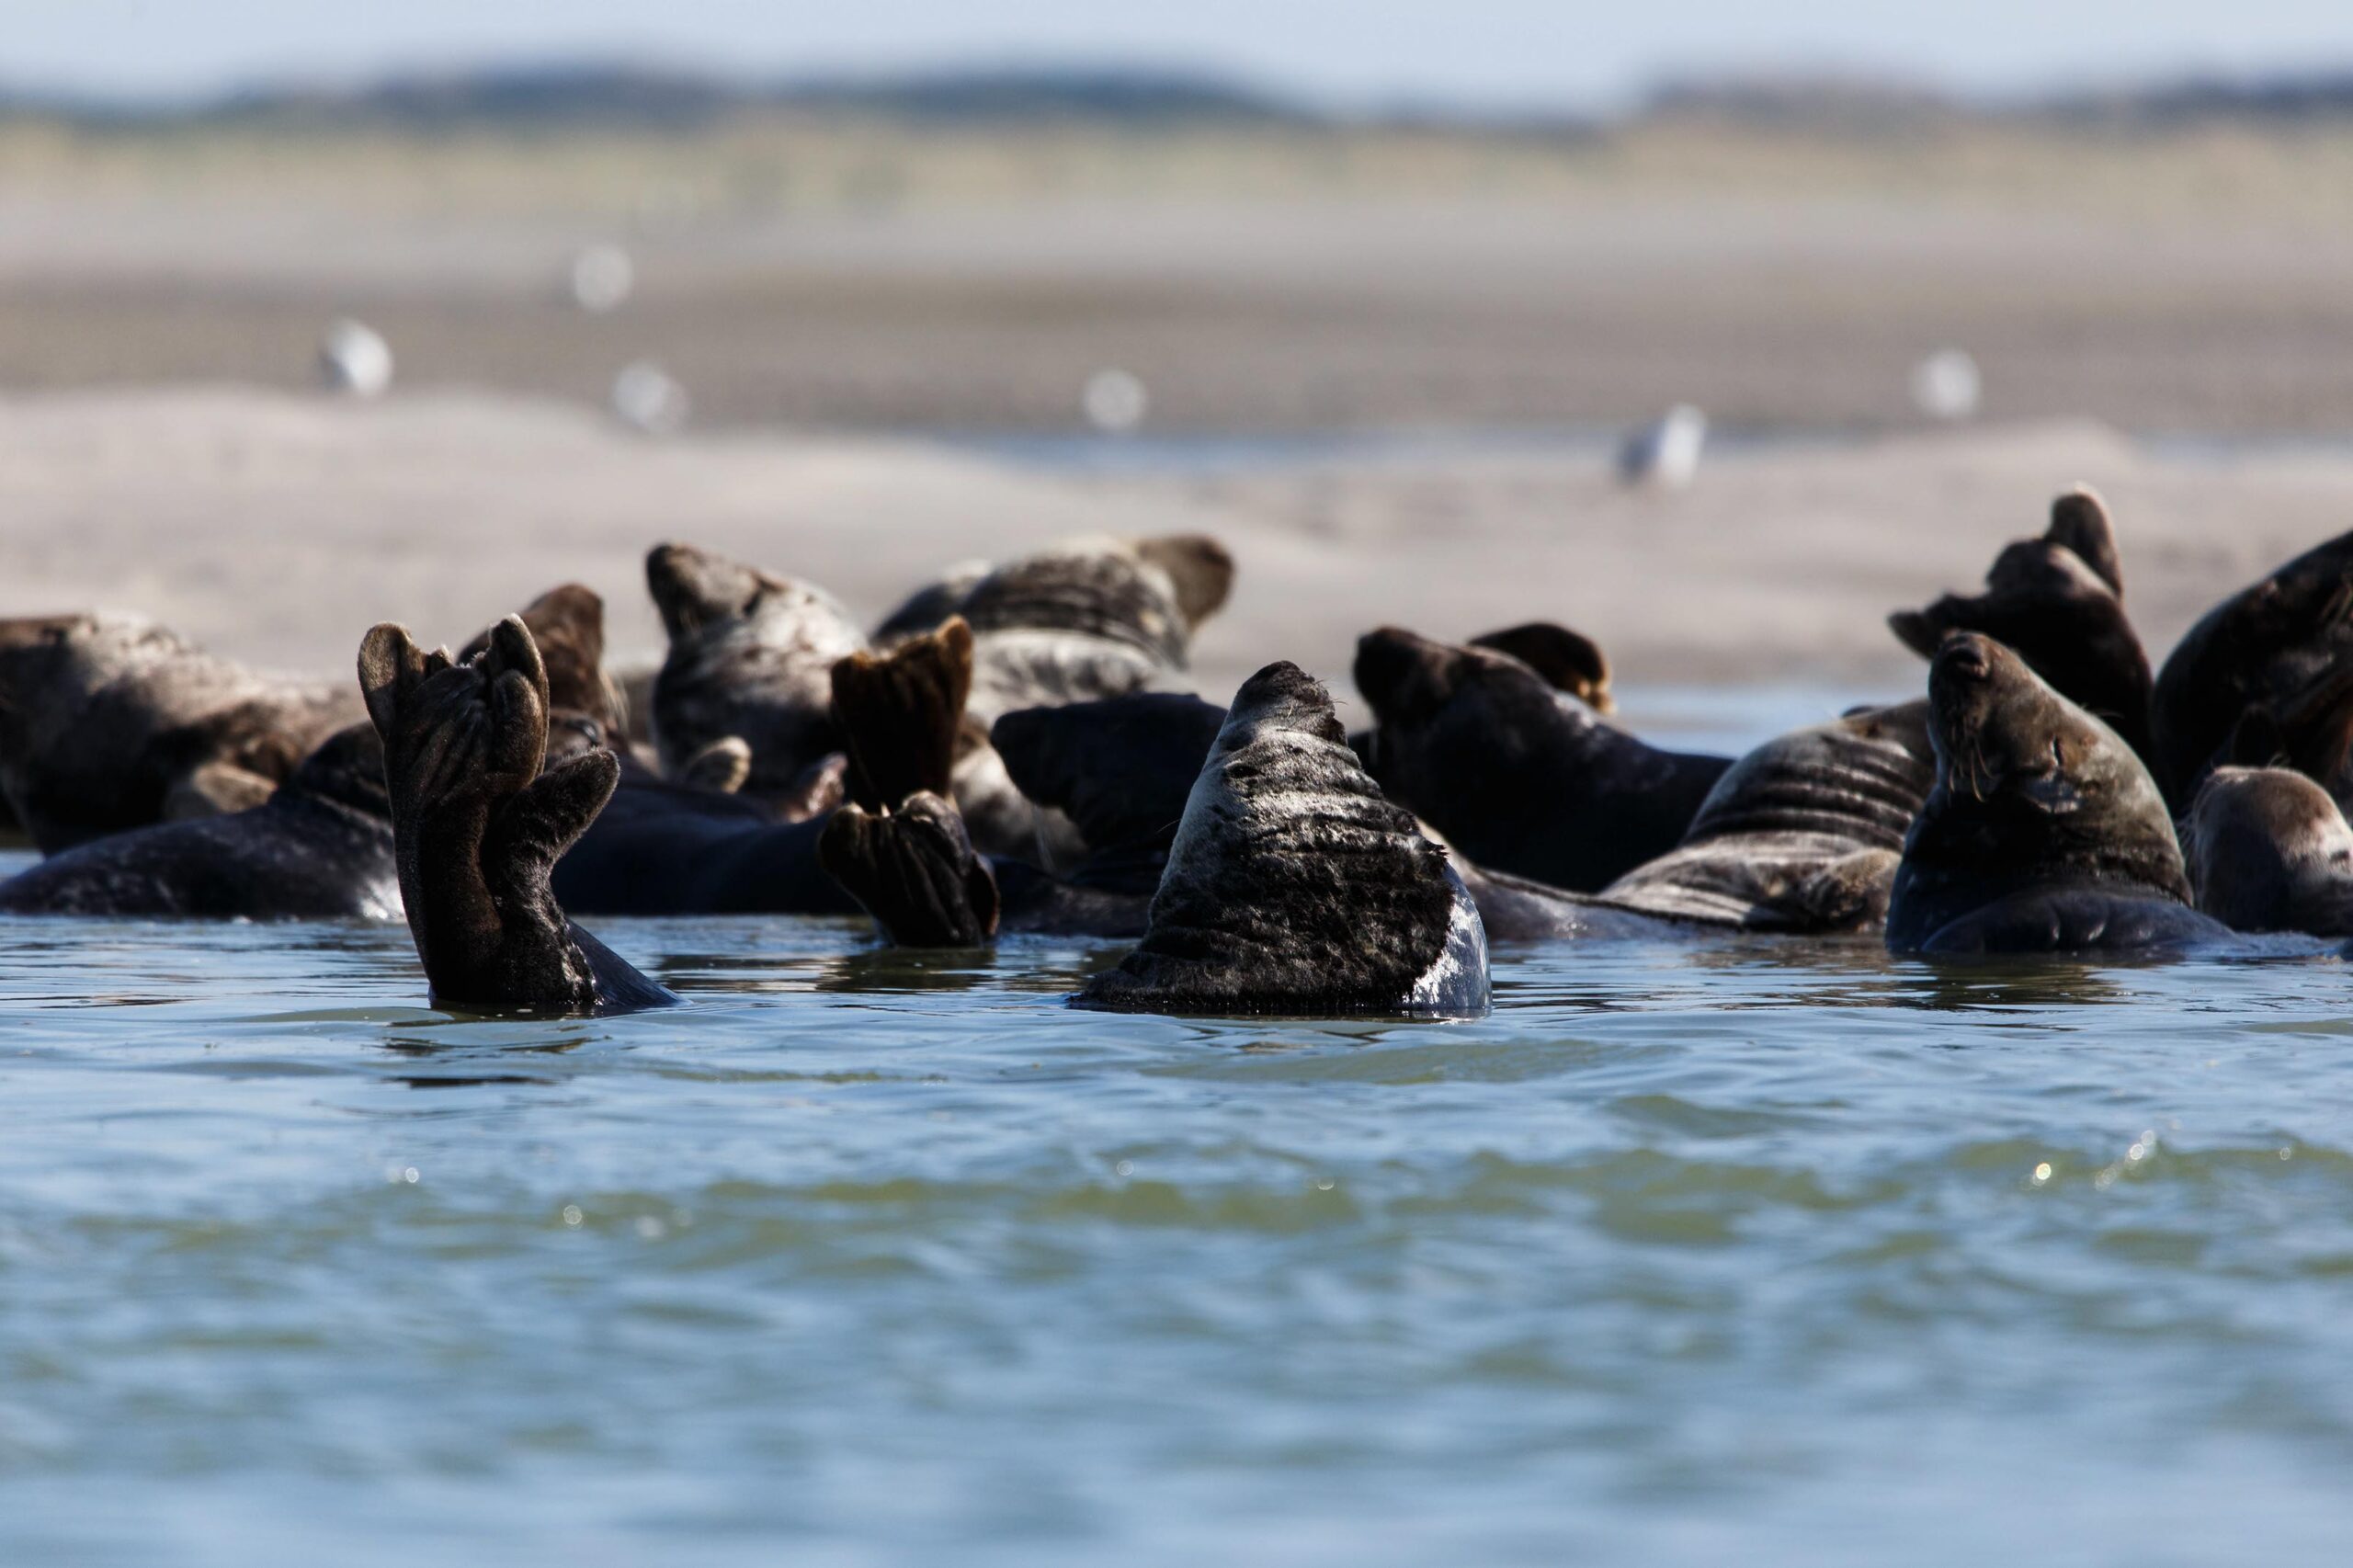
(1688, 1255)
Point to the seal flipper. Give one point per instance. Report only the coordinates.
(478, 828)
(898, 714)
(915, 871)
(1569, 660)
(721, 766)
(1296, 887)
(216, 789)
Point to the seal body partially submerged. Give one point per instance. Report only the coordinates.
(320, 848)
(1516, 774)
(1294, 886)
(109, 723)
(2043, 831)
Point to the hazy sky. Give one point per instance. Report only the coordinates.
(1518, 51)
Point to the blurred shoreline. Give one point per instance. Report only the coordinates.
(277, 526)
(869, 275)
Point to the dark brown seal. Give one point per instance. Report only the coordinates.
(109, 723)
(2274, 657)
(319, 848)
(2043, 833)
(1516, 774)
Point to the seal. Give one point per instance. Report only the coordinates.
(2058, 602)
(109, 723)
(2043, 833)
(478, 826)
(1803, 835)
(1520, 776)
(1294, 886)
(2268, 850)
(319, 848)
(2272, 655)
(751, 656)
(1088, 619)
(664, 847)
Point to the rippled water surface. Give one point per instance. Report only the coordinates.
(1703, 1255)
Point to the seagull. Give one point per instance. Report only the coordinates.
(355, 359)
(1665, 454)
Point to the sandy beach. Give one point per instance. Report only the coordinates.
(277, 526)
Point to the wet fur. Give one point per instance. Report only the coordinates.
(2269, 655)
(2268, 850)
(478, 828)
(751, 655)
(1294, 886)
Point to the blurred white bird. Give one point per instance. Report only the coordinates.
(646, 398)
(1665, 454)
(602, 278)
(1114, 401)
(1946, 385)
(355, 359)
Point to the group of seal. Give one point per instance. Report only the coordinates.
(1018, 748)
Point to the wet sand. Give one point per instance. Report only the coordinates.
(278, 527)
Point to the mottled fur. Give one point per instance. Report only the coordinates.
(1295, 887)
(110, 722)
(1802, 834)
(751, 655)
(2269, 850)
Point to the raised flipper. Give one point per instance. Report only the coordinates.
(898, 713)
(478, 826)
(913, 870)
